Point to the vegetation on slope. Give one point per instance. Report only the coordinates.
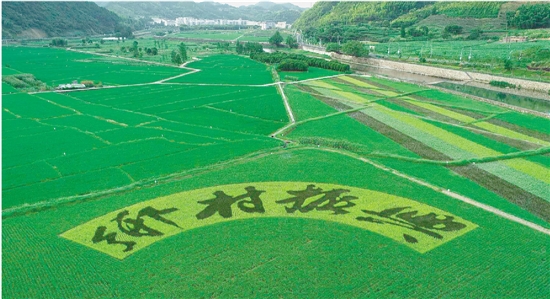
(56, 19)
(207, 10)
(379, 21)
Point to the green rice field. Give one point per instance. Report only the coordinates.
(216, 181)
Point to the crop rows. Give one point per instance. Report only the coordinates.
(132, 133)
(409, 117)
(227, 69)
(54, 66)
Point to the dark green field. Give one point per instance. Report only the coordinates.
(379, 189)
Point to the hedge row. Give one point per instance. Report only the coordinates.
(277, 57)
(292, 65)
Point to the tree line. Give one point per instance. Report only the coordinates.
(278, 57)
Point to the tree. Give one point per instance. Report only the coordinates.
(239, 47)
(354, 48)
(182, 49)
(250, 48)
(333, 47)
(453, 29)
(124, 31)
(291, 42)
(474, 34)
(403, 31)
(176, 57)
(292, 65)
(508, 64)
(59, 42)
(276, 39)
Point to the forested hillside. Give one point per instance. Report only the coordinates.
(207, 10)
(394, 13)
(47, 19)
(344, 21)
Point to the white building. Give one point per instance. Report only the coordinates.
(281, 25)
(190, 21)
(267, 25)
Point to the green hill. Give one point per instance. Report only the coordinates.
(47, 19)
(207, 10)
(330, 21)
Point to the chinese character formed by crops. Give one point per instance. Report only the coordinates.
(134, 227)
(426, 224)
(331, 200)
(222, 203)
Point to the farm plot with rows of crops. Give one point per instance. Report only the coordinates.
(378, 188)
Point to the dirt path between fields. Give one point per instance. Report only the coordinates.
(285, 100)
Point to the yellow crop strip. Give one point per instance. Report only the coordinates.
(358, 82)
(443, 111)
(484, 125)
(366, 85)
(509, 133)
(322, 84)
(530, 168)
(352, 96)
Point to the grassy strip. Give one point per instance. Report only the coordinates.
(425, 99)
(509, 133)
(360, 149)
(55, 203)
(506, 190)
(374, 82)
(303, 104)
(357, 82)
(486, 118)
(495, 142)
(395, 85)
(519, 128)
(450, 114)
(322, 84)
(298, 123)
(527, 121)
(478, 123)
(528, 201)
(532, 169)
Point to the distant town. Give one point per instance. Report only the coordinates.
(190, 21)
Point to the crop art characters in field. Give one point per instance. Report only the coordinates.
(222, 203)
(417, 225)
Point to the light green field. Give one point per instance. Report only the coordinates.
(202, 187)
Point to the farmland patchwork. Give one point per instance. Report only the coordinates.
(194, 182)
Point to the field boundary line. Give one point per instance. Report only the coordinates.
(177, 76)
(285, 101)
(447, 192)
(127, 58)
(163, 179)
(496, 103)
(313, 79)
(238, 114)
(290, 125)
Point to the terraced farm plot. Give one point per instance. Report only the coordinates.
(311, 73)
(227, 69)
(202, 186)
(55, 66)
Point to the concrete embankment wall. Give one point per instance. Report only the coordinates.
(357, 62)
